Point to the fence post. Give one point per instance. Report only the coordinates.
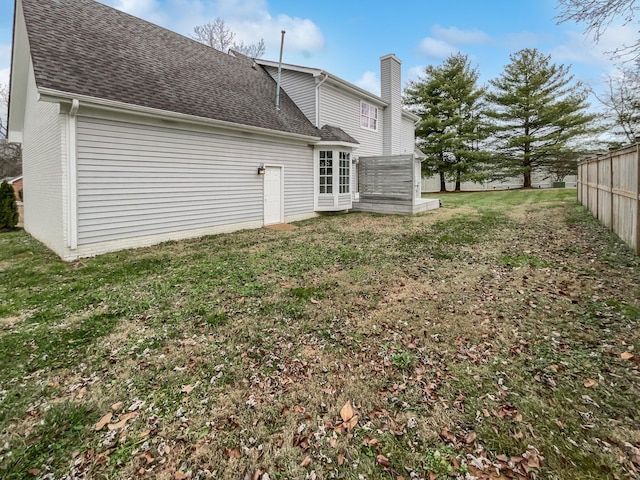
(611, 190)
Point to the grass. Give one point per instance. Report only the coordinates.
(497, 334)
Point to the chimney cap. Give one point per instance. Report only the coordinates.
(390, 56)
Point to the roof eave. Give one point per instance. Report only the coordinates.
(326, 143)
(411, 115)
(57, 96)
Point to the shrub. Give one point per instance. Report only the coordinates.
(8, 206)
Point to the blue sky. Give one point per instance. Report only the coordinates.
(347, 38)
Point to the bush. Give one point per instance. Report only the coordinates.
(8, 206)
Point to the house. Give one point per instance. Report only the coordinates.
(134, 135)
(16, 184)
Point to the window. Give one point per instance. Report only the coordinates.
(368, 116)
(344, 177)
(326, 171)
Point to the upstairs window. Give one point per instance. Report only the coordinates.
(344, 177)
(368, 116)
(326, 171)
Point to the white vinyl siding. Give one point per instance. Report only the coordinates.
(43, 143)
(408, 136)
(139, 180)
(342, 109)
(301, 88)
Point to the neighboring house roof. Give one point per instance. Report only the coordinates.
(11, 180)
(88, 49)
(329, 133)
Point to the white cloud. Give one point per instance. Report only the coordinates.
(436, 48)
(578, 47)
(4, 76)
(455, 36)
(414, 73)
(369, 82)
(249, 19)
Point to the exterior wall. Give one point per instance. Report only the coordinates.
(301, 88)
(408, 133)
(391, 92)
(140, 184)
(342, 109)
(42, 165)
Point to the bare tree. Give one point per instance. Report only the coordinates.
(10, 153)
(598, 16)
(217, 35)
(621, 100)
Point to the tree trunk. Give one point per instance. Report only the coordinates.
(443, 183)
(527, 179)
(457, 189)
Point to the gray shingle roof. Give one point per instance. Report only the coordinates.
(87, 48)
(329, 133)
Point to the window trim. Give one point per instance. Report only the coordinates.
(344, 166)
(369, 118)
(329, 184)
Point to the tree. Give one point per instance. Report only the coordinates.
(621, 100)
(10, 153)
(538, 111)
(598, 16)
(449, 102)
(217, 35)
(8, 206)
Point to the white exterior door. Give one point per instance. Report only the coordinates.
(273, 193)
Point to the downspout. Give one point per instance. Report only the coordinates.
(72, 175)
(318, 85)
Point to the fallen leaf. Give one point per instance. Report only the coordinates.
(117, 406)
(590, 383)
(352, 423)
(306, 462)
(384, 461)
(123, 421)
(626, 356)
(103, 421)
(186, 389)
(347, 412)
(34, 471)
(341, 459)
(314, 301)
(471, 438)
(181, 476)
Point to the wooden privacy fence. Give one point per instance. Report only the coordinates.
(609, 186)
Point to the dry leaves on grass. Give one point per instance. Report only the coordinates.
(349, 417)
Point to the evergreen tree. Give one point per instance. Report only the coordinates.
(449, 102)
(538, 111)
(8, 206)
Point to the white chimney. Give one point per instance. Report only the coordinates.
(391, 92)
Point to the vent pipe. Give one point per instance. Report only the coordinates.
(279, 72)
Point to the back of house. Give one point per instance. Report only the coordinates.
(134, 135)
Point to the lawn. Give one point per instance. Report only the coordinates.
(495, 338)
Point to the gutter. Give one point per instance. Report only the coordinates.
(57, 96)
(72, 176)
